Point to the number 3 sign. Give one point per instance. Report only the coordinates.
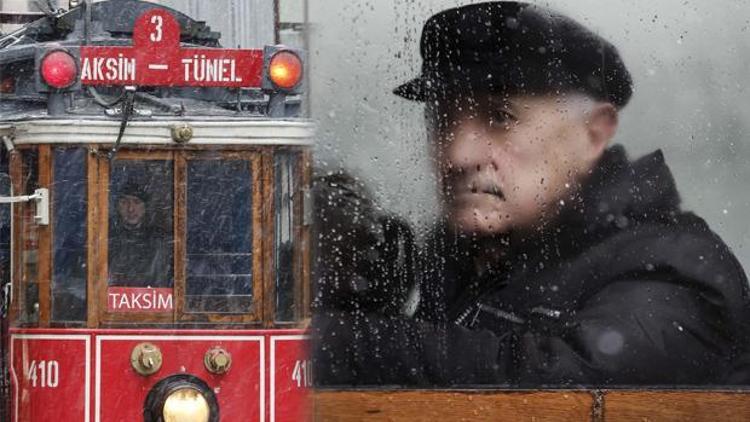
(158, 22)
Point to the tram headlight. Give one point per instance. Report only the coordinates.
(181, 398)
(59, 69)
(186, 405)
(283, 70)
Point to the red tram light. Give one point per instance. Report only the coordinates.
(285, 69)
(59, 69)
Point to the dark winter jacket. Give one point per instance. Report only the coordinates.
(623, 289)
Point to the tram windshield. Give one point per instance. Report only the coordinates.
(219, 236)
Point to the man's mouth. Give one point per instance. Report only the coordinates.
(488, 190)
(493, 190)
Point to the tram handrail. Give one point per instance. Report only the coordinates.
(40, 196)
(22, 198)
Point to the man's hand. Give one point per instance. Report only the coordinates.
(364, 255)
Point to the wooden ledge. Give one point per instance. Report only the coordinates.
(537, 406)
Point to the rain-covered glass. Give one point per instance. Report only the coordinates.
(140, 223)
(567, 232)
(5, 184)
(285, 201)
(219, 236)
(69, 273)
(29, 250)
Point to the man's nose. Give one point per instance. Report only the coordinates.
(472, 148)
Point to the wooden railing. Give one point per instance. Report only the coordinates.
(536, 406)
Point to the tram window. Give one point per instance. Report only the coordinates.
(140, 224)
(69, 235)
(219, 236)
(286, 183)
(29, 244)
(4, 220)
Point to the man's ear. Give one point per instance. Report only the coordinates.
(602, 126)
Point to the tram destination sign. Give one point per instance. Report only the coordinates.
(136, 299)
(156, 58)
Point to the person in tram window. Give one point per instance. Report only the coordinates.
(558, 260)
(140, 254)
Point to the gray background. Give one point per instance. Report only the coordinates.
(689, 60)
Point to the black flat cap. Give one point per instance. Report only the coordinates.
(134, 188)
(515, 48)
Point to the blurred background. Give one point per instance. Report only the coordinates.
(689, 60)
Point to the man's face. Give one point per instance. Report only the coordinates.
(510, 163)
(131, 209)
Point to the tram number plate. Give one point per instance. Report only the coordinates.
(49, 373)
(291, 378)
(157, 59)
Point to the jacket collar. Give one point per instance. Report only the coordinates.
(620, 192)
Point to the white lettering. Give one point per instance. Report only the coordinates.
(201, 69)
(45, 373)
(157, 34)
(302, 373)
(211, 70)
(98, 74)
(123, 299)
(113, 300)
(111, 69)
(234, 76)
(165, 302)
(86, 71)
(108, 69)
(186, 66)
(130, 75)
(147, 302)
(124, 302)
(135, 300)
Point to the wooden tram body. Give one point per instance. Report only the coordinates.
(216, 333)
(93, 355)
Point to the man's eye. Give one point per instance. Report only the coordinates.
(501, 119)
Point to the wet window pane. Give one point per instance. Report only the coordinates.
(536, 266)
(29, 248)
(69, 234)
(140, 224)
(219, 236)
(286, 187)
(4, 222)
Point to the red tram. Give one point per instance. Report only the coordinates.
(158, 263)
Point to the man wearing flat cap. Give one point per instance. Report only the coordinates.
(140, 254)
(559, 261)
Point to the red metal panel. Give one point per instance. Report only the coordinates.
(49, 374)
(291, 379)
(269, 368)
(122, 392)
(157, 59)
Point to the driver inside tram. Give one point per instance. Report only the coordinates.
(139, 252)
